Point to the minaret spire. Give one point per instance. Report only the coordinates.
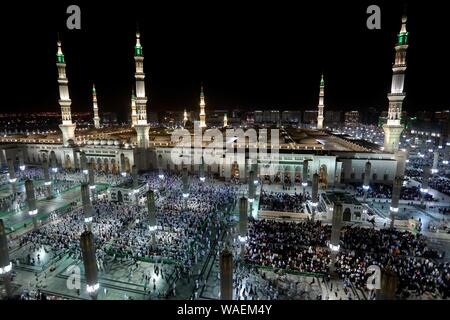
(95, 107)
(320, 106)
(393, 128)
(67, 127)
(202, 108)
(185, 118)
(225, 120)
(142, 127)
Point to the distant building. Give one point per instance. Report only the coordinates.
(351, 117)
(291, 117)
(333, 118)
(258, 116)
(370, 116)
(310, 117)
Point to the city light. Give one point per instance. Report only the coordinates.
(242, 239)
(334, 248)
(6, 269)
(93, 288)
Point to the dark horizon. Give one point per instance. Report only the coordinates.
(248, 57)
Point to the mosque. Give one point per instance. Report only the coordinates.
(302, 152)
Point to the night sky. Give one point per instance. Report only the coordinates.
(253, 56)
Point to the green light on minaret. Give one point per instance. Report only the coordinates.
(138, 51)
(60, 58)
(403, 38)
(322, 83)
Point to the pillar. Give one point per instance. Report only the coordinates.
(201, 170)
(226, 275)
(396, 188)
(425, 181)
(434, 170)
(315, 195)
(185, 182)
(252, 186)
(336, 225)
(87, 206)
(21, 160)
(5, 263)
(12, 175)
(134, 176)
(84, 165)
(151, 210)
(91, 176)
(388, 285)
(305, 175)
(401, 157)
(47, 181)
(31, 201)
(243, 224)
(90, 263)
(367, 173)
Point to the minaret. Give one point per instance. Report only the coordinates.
(142, 127)
(133, 109)
(320, 107)
(225, 120)
(67, 127)
(185, 118)
(95, 107)
(202, 109)
(393, 128)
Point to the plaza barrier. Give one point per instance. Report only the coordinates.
(289, 271)
(158, 259)
(282, 215)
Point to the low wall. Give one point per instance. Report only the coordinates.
(280, 214)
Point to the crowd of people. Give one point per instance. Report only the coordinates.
(303, 247)
(382, 191)
(280, 201)
(186, 227)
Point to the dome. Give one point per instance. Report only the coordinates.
(103, 142)
(110, 142)
(116, 142)
(90, 142)
(96, 142)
